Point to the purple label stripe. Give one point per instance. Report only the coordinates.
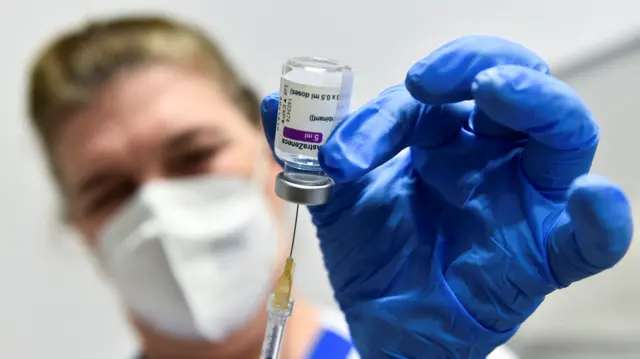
(302, 136)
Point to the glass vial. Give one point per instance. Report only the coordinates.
(315, 95)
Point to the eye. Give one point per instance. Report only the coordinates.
(194, 160)
(109, 198)
(197, 157)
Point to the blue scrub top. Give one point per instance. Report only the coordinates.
(331, 344)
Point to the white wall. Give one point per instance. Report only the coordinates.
(53, 304)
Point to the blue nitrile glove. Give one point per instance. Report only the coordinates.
(452, 220)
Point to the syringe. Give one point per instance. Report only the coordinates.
(315, 94)
(279, 306)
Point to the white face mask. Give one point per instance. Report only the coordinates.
(193, 258)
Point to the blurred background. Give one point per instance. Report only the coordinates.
(52, 302)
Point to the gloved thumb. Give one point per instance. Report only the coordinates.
(269, 113)
(595, 235)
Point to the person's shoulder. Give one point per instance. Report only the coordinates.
(335, 326)
(334, 321)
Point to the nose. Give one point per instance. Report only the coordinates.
(151, 175)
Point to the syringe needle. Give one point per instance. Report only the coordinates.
(295, 226)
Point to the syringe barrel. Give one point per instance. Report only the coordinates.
(276, 323)
(273, 337)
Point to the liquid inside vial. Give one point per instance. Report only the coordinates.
(315, 94)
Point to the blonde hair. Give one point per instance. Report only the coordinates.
(77, 63)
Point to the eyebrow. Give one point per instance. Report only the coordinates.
(186, 138)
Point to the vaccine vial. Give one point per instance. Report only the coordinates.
(315, 95)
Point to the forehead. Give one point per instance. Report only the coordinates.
(139, 109)
(150, 100)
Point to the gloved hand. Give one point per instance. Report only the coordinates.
(452, 219)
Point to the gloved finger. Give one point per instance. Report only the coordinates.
(563, 134)
(446, 74)
(385, 126)
(269, 112)
(484, 126)
(595, 235)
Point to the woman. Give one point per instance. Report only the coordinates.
(157, 149)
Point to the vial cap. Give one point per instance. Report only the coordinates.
(301, 193)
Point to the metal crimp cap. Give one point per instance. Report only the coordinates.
(308, 194)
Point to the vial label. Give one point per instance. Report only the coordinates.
(306, 116)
